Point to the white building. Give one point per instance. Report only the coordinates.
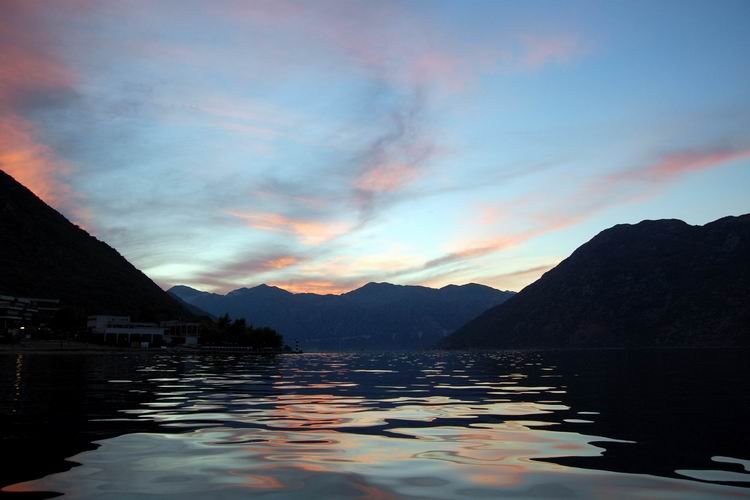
(120, 330)
(180, 332)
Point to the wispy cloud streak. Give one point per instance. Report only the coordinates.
(310, 232)
(592, 196)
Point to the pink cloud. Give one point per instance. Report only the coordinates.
(394, 43)
(679, 163)
(588, 199)
(26, 70)
(643, 182)
(387, 178)
(30, 69)
(480, 248)
(538, 51)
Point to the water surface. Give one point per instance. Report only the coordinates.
(653, 424)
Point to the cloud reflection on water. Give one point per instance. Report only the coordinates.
(350, 426)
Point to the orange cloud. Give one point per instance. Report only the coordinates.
(32, 164)
(515, 280)
(331, 276)
(307, 231)
(363, 268)
(38, 168)
(315, 277)
(282, 262)
(314, 286)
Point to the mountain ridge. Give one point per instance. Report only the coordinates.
(187, 289)
(654, 283)
(374, 316)
(43, 254)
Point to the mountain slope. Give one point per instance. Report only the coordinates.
(375, 316)
(656, 283)
(44, 255)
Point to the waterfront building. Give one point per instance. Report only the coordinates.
(120, 330)
(180, 332)
(25, 315)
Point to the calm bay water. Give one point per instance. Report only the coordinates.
(656, 424)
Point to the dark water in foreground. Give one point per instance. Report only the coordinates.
(659, 424)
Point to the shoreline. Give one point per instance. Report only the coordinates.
(74, 347)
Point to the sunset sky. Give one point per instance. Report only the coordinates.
(320, 145)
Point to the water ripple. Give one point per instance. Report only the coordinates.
(391, 425)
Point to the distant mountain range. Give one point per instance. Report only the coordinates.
(44, 255)
(378, 316)
(655, 283)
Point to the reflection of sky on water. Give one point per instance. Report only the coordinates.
(442, 463)
(375, 426)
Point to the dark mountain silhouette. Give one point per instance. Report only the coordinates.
(656, 283)
(376, 316)
(195, 311)
(42, 254)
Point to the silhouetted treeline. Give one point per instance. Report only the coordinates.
(226, 331)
